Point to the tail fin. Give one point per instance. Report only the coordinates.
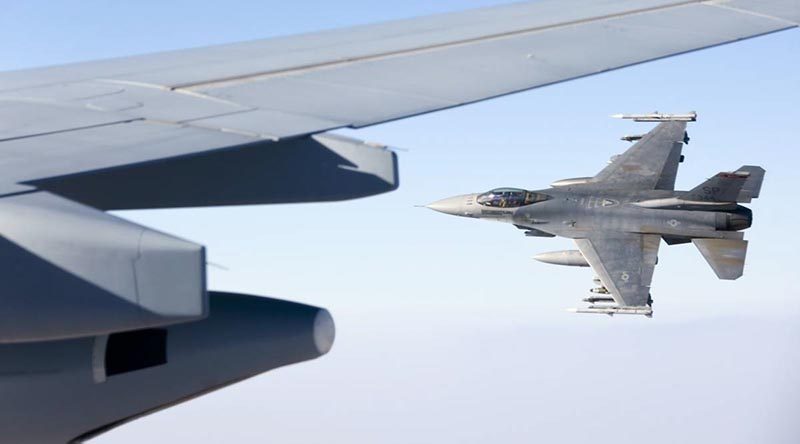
(752, 186)
(741, 185)
(726, 256)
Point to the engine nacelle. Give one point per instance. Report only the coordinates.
(124, 375)
(570, 258)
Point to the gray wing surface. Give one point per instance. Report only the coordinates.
(651, 163)
(624, 262)
(54, 121)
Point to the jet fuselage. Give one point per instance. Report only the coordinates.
(574, 211)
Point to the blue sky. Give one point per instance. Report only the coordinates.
(431, 346)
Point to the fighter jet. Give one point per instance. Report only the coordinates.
(619, 217)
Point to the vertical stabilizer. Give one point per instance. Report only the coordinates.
(741, 185)
(752, 186)
(726, 256)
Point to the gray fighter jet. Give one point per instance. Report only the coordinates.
(618, 217)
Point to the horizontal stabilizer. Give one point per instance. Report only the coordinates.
(726, 256)
(737, 186)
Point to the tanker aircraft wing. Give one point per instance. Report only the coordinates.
(92, 302)
(60, 124)
(624, 262)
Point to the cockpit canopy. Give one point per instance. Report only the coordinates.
(510, 198)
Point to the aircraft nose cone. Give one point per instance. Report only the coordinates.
(451, 205)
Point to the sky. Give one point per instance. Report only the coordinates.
(432, 345)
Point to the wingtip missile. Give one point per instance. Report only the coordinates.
(596, 309)
(658, 117)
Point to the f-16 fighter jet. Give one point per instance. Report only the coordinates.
(619, 217)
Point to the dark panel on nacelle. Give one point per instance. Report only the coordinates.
(70, 380)
(71, 270)
(310, 169)
(130, 351)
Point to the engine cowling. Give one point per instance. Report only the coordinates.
(124, 375)
(71, 270)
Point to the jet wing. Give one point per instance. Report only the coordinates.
(650, 164)
(55, 121)
(624, 262)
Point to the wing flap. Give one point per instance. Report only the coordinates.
(20, 119)
(89, 149)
